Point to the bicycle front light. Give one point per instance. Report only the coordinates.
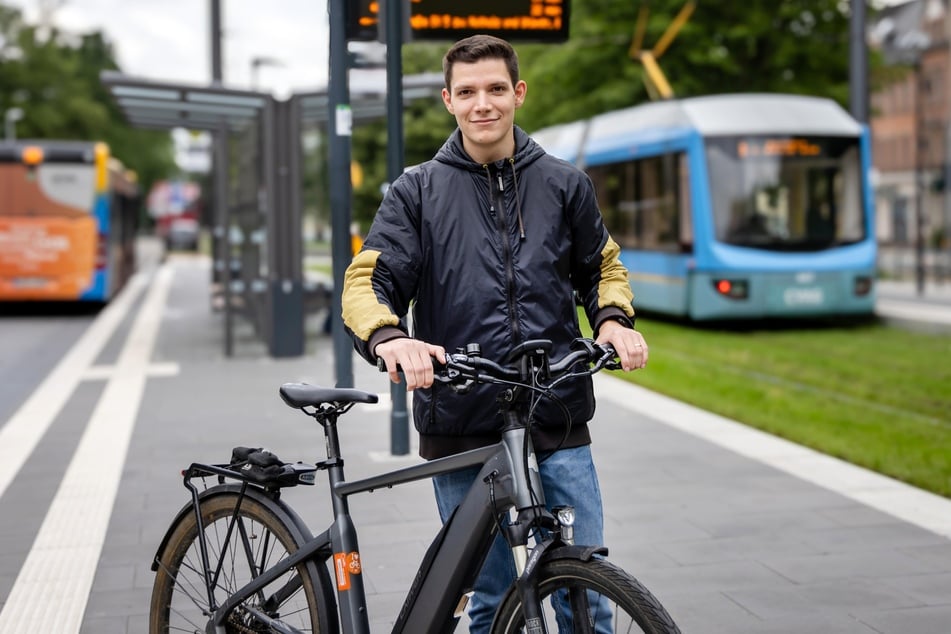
(566, 519)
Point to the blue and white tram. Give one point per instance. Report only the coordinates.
(734, 206)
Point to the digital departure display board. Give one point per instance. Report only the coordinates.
(524, 20)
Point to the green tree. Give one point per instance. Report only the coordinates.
(793, 46)
(55, 81)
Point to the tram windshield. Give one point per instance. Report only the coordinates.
(786, 193)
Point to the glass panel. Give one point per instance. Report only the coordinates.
(643, 202)
(786, 193)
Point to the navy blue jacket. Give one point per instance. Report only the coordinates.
(489, 254)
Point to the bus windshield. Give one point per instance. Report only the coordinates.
(786, 193)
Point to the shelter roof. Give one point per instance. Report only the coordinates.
(149, 103)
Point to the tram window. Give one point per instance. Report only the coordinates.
(683, 188)
(642, 203)
(789, 194)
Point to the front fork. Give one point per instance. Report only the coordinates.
(527, 585)
(559, 528)
(532, 515)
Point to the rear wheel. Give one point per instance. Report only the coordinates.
(239, 549)
(587, 596)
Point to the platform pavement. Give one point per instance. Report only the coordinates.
(900, 301)
(729, 544)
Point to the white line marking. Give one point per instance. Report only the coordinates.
(104, 372)
(22, 432)
(921, 508)
(52, 589)
(99, 373)
(163, 369)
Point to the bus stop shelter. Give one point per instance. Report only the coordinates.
(257, 193)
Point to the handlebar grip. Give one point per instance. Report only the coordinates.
(381, 365)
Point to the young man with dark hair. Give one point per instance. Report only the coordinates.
(490, 241)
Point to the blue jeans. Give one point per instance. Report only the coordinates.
(569, 478)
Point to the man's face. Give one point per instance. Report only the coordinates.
(484, 101)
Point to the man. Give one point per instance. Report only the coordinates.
(491, 239)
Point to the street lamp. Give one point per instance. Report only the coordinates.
(258, 62)
(10, 118)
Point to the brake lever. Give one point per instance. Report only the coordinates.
(446, 375)
(588, 345)
(450, 372)
(608, 359)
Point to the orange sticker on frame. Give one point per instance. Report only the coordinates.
(346, 564)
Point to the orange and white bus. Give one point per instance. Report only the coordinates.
(68, 217)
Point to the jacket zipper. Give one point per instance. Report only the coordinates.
(498, 203)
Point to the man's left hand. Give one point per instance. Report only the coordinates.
(629, 344)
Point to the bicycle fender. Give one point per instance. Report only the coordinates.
(252, 492)
(550, 551)
(581, 553)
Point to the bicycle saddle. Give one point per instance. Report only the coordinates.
(300, 395)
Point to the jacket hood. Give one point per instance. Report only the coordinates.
(453, 153)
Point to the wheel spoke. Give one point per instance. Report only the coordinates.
(240, 547)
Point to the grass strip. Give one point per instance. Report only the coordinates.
(874, 395)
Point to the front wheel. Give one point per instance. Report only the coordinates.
(240, 545)
(591, 596)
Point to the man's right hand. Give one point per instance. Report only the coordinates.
(414, 358)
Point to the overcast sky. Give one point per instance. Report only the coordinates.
(170, 39)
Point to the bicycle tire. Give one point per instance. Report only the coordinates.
(633, 607)
(179, 595)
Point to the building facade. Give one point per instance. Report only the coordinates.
(910, 120)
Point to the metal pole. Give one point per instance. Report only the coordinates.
(339, 125)
(221, 233)
(285, 296)
(858, 63)
(399, 420)
(216, 76)
(946, 266)
(941, 250)
(919, 211)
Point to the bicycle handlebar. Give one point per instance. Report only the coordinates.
(468, 365)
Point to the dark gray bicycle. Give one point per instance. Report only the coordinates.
(238, 559)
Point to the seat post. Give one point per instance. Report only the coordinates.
(328, 420)
(334, 462)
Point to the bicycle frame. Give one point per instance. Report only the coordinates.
(508, 482)
(451, 564)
